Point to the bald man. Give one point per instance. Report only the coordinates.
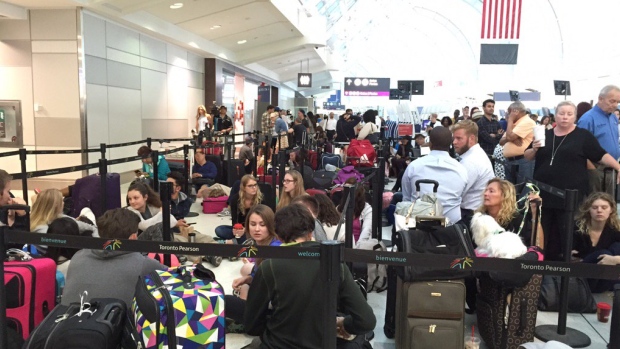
(439, 166)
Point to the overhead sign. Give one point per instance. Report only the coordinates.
(367, 87)
(304, 80)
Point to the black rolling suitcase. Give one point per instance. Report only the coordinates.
(235, 169)
(98, 324)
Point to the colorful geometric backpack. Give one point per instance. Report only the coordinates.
(180, 307)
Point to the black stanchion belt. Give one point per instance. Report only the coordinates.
(125, 144)
(438, 262)
(54, 171)
(9, 153)
(69, 151)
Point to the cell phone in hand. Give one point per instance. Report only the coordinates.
(191, 223)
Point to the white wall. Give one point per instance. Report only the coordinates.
(137, 87)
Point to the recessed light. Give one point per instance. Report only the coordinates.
(241, 42)
(176, 5)
(216, 27)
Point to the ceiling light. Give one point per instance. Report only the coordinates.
(176, 5)
(241, 42)
(217, 26)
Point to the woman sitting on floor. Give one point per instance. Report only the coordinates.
(48, 207)
(597, 238)
(62, 255)
(144, 202)
(293, 185)
(249, 196)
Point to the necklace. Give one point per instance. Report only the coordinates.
(554, 150)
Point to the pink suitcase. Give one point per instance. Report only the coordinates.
(214, 205)
(31, 293)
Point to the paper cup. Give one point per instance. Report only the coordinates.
(472, 342)
(602, 311)
(539, 134)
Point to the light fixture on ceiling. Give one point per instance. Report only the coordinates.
(217, 26)
(177, 5)
(241, 42)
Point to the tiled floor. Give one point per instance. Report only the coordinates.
(228, 271)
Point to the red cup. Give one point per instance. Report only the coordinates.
(602, 311)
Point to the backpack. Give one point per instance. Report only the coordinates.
(345, 173)
(377, 273)
(362, 153)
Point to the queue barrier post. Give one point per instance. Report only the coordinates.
(331, 257)
(22, 159)
(154, 159)
(166, 191)
(282, 165)
(149, 142)
(614, 335)
(102, 150)
(560, 332)
(186, 167)
(103, 174)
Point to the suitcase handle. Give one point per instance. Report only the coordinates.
(426, 181)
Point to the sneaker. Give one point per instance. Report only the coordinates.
(87, 213)
(225, 212)
(234, 327)
(215, 261)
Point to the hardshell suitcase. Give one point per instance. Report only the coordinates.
(430, 314)
(211, 147)
(175, 309)
(313, 159)
(507, 316)
(87, 193)
(96, 324)
(31, 293)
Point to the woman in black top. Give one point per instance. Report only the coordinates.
(597, 238)
(249, 196)
(561, 162)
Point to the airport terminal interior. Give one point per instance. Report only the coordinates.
(289, 93)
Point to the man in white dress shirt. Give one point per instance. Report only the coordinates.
(330, 126)
(439, 166)
(477, 164)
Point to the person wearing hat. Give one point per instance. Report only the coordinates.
(247, 155)
(163, 169)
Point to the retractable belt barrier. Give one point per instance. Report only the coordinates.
(438, 262)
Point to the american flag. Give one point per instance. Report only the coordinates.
(501, 19)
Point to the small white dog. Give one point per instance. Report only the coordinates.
(493, 240)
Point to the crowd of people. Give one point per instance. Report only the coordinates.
(578, 146)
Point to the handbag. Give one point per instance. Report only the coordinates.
(426, 205)
(580, 299)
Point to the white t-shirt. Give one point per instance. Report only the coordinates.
(202, 123)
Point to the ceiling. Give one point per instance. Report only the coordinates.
(438, 41)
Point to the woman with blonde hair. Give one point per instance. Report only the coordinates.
(201, 118)
(597, 239)
(249, 196)
(48, 207)
(293, 184)
(500, 202)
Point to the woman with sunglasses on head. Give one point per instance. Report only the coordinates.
(293, 186)
(240, 204)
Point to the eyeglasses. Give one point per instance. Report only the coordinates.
(288, 180)
(252, 185)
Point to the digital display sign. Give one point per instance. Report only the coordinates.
(367, 87)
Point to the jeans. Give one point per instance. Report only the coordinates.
(517, 171)
(601, 285)
(226, 232)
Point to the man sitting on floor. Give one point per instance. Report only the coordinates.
(109, 273)
(277, 305)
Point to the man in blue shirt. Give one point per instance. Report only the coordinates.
(203, 169)
(438, 165)
(603, 124)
